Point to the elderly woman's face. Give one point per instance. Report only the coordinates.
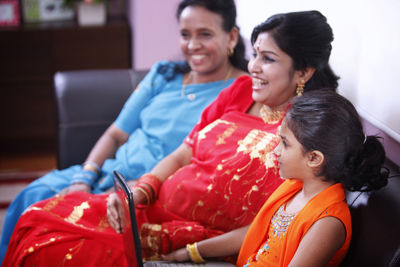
(274, 79)
(203, 41)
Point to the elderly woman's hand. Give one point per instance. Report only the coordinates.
(75, 187)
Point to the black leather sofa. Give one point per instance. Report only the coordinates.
(88, 101)
(376, 225)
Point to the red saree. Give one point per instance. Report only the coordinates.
(232, 173)
(66, 231)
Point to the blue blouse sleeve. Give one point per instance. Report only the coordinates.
(129, 118)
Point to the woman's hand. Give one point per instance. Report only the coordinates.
(75, 187)
(114, 212)
(177, 255)
(139, 198)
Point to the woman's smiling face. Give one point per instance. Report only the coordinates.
(203, 41)
(274, 79)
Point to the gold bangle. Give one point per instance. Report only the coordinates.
(145, 193)
(91, 166)
(194, 253)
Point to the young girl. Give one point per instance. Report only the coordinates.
(323, 150)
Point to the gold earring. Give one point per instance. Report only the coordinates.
(230, 52)
(300, 88)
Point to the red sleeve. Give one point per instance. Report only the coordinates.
(235, 97)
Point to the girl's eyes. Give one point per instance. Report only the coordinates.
(283, 141)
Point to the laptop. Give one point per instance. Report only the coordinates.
(131, 233)
(128, 221)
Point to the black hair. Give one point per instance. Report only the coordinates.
(328, 122)
(227, 10)
(306, 37)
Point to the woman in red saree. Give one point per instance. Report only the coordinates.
(214, 183)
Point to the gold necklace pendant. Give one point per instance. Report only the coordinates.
(269, 116)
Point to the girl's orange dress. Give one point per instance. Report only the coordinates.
(279, 251)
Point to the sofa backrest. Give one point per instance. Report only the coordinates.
(87, 102)
(376, 225)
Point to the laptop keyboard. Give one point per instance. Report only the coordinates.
(171, 264)
(186, 264)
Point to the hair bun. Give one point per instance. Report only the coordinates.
(367, 170)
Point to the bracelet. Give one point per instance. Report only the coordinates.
(92, 166)
(148, 190)
(194, 253)
(152, 181)
(84, 176)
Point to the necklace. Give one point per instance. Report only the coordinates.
(190, 77)
(270, 116)
(184, 83)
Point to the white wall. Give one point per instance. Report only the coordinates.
(365, 51)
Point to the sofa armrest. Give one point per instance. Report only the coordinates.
(87, 102)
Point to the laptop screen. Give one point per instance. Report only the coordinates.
(128, 220)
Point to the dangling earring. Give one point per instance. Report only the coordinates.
(230, 52)
(300, 88)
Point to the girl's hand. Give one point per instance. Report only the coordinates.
(177, 255)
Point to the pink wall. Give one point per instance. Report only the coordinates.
(154, 32)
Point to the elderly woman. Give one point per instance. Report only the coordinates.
(215, 182)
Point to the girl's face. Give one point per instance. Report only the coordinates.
(274, 79)
(291, 158)
(203, 41)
